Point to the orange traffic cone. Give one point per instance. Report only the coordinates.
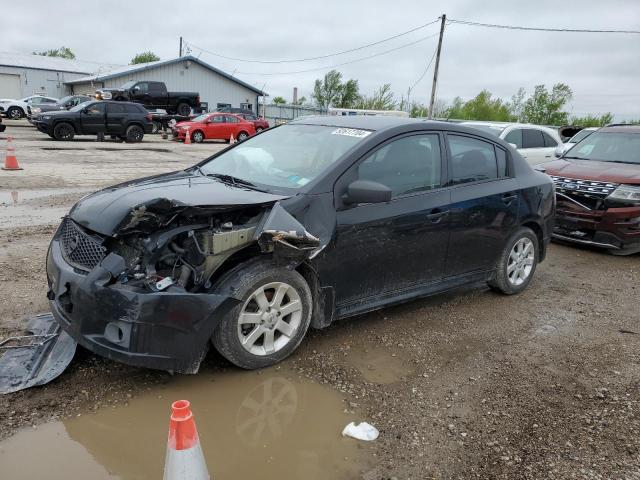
(232, 140)
(11, 162)
(184, 458)
(187, 137)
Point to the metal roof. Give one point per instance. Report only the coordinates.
(56, 64)
(121, 71)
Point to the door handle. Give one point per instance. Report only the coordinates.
(509, 197)
(436, 215)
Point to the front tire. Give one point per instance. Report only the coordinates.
(517, 263)
(134, 134)
(197, 136)
(63, 131)
(15, 113)
(271, 319)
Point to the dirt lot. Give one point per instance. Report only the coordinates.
(545, 384)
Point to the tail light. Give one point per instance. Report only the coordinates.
(198, 99)
(148, 117)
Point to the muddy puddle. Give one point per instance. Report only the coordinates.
(268, 425)
(26, 207)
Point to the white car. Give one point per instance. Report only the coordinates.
(17, 109)
(535, 143)
(581, 135)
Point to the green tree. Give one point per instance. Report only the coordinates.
(592, 120)
(328, 91)
(62, 52)
(382, 99)
(418, 110)
(301, 101)
(144, 57)
(279, 100)
(516, 105)
(349, 94)
(545, 108)
(482, 107)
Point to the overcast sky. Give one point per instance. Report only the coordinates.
(602, 69)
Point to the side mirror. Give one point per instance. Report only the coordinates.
(135, 89)
(366, 191)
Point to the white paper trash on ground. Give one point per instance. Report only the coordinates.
(362, 431)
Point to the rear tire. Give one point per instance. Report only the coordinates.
(271, 319)
(183, 109)
(63, 131)
(15, 113)
(134, 134)
(517, 263)
(259, 129)
(242, 136)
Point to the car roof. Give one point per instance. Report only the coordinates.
(365, 122)
(631, 128)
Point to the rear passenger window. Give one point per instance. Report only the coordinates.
(532, 138)
(548, 140)
(501, 155)
(115, 108)
(472, 160)
(231, 119)
(515, 137)
(407, 165)
(132, 108)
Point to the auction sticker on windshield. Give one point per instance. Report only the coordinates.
(351, 132)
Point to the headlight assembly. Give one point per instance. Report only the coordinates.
(625, 194)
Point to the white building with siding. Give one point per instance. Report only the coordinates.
(22, 75)
(182, 74)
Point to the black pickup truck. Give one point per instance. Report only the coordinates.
(153, 95)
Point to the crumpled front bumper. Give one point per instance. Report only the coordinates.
(168, 330)
(614, 228)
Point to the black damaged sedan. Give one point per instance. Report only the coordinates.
(302, 225)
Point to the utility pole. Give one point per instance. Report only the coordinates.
(435, 70)
(181, 46)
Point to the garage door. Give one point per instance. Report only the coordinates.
(10, 86)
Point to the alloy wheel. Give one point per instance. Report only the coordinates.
(520, 262)
(270, 318)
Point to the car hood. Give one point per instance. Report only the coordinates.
(594, 170)
(127, 206)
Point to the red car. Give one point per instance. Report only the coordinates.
(219, 126)
(598, 190)
(258, 122)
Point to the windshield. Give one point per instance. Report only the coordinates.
(128, 85)
(200, 118)
(581, 135)
(289, 156)
(80, 106)
(493, 129)
(608, 147)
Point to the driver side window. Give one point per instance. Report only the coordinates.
(143, 87)
(95, 109)
(409, 164)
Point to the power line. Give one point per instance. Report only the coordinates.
(538, 29)
(435, 50)
(344, 63)
(320, 56)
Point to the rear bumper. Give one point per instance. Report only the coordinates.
(168, 330)
(613, 228)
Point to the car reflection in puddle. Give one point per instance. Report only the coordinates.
(269, 425)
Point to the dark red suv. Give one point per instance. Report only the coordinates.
(598, 190)
(258, 122)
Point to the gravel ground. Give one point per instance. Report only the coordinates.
(545, 384)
